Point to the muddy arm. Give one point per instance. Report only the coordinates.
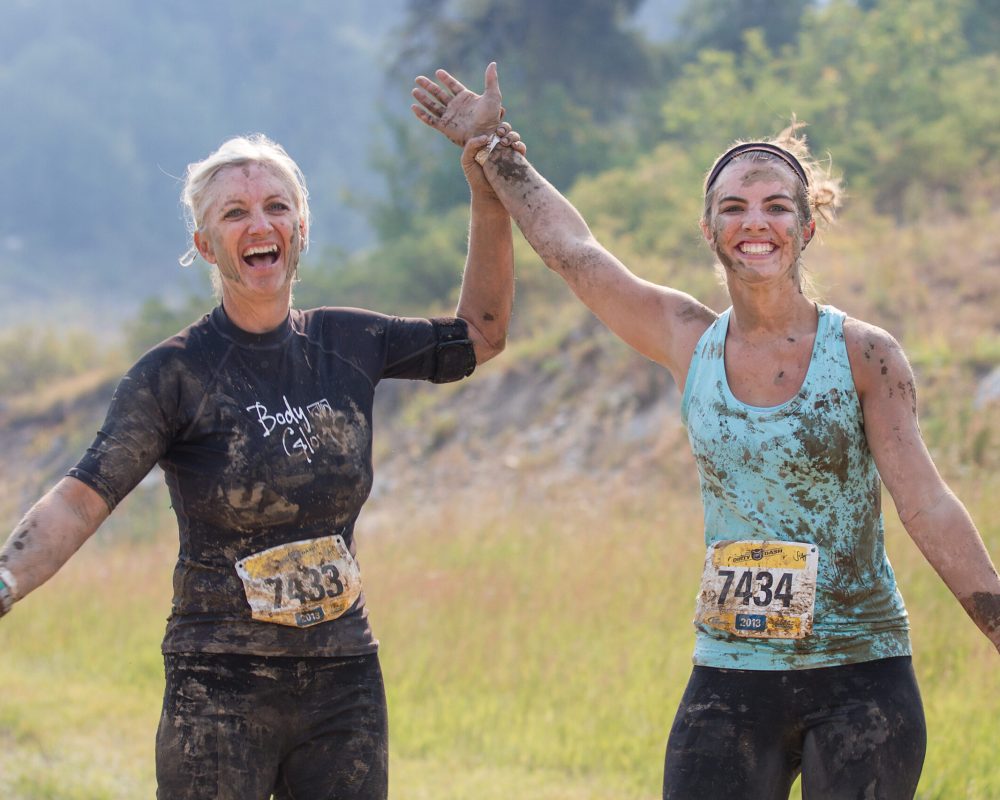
(933, 516)
(54, 529)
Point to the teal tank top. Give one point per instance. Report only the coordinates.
(797, 472)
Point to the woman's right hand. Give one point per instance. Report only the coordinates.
(458, 112)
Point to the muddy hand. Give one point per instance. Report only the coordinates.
(455, 111)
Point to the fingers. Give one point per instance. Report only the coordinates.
(472, 147)
(432, 88)
(425, 117)
(450, 81)
(429, 103)
(512, 139)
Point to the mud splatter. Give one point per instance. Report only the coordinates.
(985, 609)
(513, 170)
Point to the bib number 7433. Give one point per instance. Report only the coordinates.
(301, 583)
(764, 589)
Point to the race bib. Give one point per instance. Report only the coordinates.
(302, 583)
(759, 589)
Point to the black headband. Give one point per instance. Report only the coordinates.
(759, 147)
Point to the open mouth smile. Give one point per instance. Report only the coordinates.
(261, 255)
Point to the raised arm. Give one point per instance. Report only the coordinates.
(933, 516)
(661, 323)
(488, 281)
(54, 529)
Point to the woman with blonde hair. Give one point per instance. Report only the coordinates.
(260, 415)
(796, 414)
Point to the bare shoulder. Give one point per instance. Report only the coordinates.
(878, 362)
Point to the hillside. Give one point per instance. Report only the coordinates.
(568, 406)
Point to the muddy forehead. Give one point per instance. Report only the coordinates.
(221, 189)
(758, 171)
(256, 171)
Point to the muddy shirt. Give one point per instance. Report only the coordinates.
(264, 439)
(798, 472)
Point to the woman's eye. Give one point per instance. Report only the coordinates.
(232, 213)
(780, 209)
(277, 206)
(729, 209)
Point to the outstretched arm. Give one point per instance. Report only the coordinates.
(933, 516)
(661, 323)
(54, 529)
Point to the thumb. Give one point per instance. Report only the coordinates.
(492, 80)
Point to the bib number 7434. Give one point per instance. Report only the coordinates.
(764, 589)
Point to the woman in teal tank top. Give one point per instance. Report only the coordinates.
(797, 414)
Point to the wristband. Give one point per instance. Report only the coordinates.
(484, 152)
(7, 588)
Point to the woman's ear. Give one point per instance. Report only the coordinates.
(204, 247)
(707, 233)
(808, 232)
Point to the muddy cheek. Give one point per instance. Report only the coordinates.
(720, 254)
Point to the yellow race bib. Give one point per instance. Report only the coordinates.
(759, 589)
(301, 583)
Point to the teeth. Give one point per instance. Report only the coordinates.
(756, 248)
(261, 250)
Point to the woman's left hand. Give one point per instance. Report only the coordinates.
(458, 112)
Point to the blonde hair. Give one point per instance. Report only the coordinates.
(820, 196)
(256, 149)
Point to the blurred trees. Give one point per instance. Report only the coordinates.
(896, 94)
(902, 93)
(107, 102)
(584, 46)
(30, 359)
(721, 24)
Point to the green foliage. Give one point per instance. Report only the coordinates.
(570, 72)
(157, 320)
(411, 274)
(584, 46)
(721, 25)
(654, 205)
(31, 358)
(893, 93)
(981, 24)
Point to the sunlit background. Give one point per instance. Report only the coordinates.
(531, 549)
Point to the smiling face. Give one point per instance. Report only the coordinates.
(754, 223)
(252, 231)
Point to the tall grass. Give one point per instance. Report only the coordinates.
(531, 649)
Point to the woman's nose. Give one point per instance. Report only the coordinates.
(259, 223)
(754, 220)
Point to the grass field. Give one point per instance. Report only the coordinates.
(529, 652)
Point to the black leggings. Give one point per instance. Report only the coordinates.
(853, 732)
(240, 727)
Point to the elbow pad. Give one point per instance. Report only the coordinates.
(454, 356)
